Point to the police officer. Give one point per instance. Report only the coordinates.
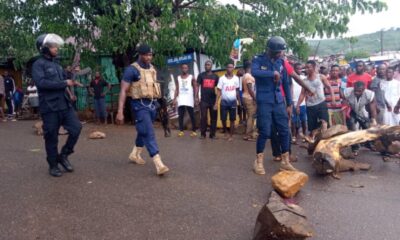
(269, 73)
(54, 104)
(140, 82)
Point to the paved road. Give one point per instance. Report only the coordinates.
(211, 192)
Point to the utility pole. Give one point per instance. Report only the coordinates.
(316, 49)
(381, 42)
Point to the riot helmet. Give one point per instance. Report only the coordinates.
(276, 44)
(44, 41)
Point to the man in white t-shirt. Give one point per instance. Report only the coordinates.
(298, 117)
(185, 87)
(228, 93)
(33, 97)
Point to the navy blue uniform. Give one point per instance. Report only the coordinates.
(271, 106)
(9, 89)
(55, 107)
(145, 111)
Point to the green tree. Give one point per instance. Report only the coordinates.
(117, 27)
(296, 20)
(171, 26)
(352, 41)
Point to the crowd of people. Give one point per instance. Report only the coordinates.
(334, 95)
(329, 96)
(274, 99)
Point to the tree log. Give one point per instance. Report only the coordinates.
(327, 157)
(324, 133)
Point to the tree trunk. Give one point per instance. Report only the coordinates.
(327, 157)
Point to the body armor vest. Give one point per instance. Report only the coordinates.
(147, 86)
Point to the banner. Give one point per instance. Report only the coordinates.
(187, 58)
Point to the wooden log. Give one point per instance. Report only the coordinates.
(327, 157)
(324, 133)
(389, 143)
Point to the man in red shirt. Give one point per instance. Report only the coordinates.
(359, 75)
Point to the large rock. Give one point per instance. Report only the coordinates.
(288, 183)
(278, 220)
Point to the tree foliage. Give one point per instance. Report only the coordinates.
(296, 20)
(172, 26)
(352, 41)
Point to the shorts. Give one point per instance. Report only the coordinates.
(297, 119)
(224, 110)
(33, 101)
(315, 114)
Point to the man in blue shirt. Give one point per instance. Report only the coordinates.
(268, 71)
(135, 80)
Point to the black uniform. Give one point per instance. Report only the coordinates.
(55, 108)
(9, 89)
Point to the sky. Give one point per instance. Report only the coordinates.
(367, 23)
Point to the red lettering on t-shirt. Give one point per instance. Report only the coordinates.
(208, 83)
(230, 88)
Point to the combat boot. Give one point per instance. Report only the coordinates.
(135, 155)
(285, 163)
(53, 168)
(64, 162)
(259, 164)
(160, 167)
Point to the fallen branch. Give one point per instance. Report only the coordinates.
(327, 154)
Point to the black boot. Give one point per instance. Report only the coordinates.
(53, 168)
(63, 160)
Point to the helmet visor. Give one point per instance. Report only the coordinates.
(53, 40)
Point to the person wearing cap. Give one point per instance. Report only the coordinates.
(269, 72)
(140, 82)
(54, 104)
